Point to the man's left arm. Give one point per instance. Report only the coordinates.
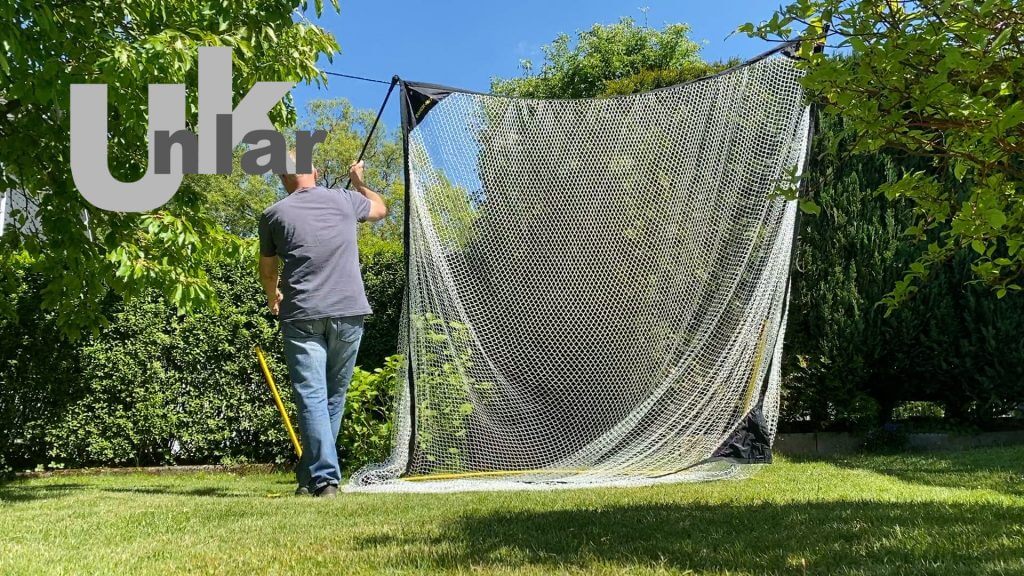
(269, 279)
(269, 265)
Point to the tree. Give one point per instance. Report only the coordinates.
(848, 364)
(942, 80)
(619, 58)
(236, 201)
(126, 44)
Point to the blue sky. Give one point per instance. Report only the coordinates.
(465, 43)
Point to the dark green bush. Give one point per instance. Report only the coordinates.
(384, 281)
(39, 373)
(158, 388)
(847, 364)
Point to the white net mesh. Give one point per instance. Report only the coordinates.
(596, 287)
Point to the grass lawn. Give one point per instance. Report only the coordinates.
(957, 513)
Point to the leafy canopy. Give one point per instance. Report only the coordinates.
(942, 80)
(605, 60)
(127, 44)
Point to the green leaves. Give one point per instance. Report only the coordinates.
(808, 206)
(996, 218)
(618, 58)
(939, 81)
(1012, 117)
(366, 430)
(127, 45)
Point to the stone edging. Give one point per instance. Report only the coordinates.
(846, 443)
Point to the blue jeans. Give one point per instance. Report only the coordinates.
(321, 355)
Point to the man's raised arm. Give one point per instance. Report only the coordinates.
(378, 209)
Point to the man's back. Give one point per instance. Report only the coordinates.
(313, 231)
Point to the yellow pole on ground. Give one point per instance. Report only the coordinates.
(277, 400)
(755, 371)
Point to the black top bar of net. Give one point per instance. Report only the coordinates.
(785, 48)
(353, 77)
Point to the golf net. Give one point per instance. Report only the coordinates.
(596, 288)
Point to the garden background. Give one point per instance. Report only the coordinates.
(145, 384)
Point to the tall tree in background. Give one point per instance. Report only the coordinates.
(619, 58)
(938, 79)
(235, 201)
(127, 44)
(849, 363)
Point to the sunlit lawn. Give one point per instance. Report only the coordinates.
(957, 513)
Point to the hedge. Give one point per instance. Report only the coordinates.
(157, 388)
(850, 366)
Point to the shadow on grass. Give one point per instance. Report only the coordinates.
(865, 537)
(168, 490)
(21, 492)
(997, 469)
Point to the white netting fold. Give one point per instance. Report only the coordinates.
(596, 287)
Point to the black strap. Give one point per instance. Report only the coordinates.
(380, 112)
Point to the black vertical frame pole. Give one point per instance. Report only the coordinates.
(408, 123)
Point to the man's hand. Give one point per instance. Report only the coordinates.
(355, 174)
(274, 302)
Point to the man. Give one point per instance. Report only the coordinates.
(321, 303)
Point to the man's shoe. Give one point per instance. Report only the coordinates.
(328, 491)
(302, 491)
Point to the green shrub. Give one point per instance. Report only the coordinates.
(847, 364)
(366, 430)
(919, 410)
(158, 388)
(154, 387)
(39, 372)
(384, 280)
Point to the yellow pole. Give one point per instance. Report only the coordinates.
(277, 400)
(755, 371)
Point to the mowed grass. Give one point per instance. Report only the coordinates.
(957, 513)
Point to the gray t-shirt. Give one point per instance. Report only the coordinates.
(313, 231)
